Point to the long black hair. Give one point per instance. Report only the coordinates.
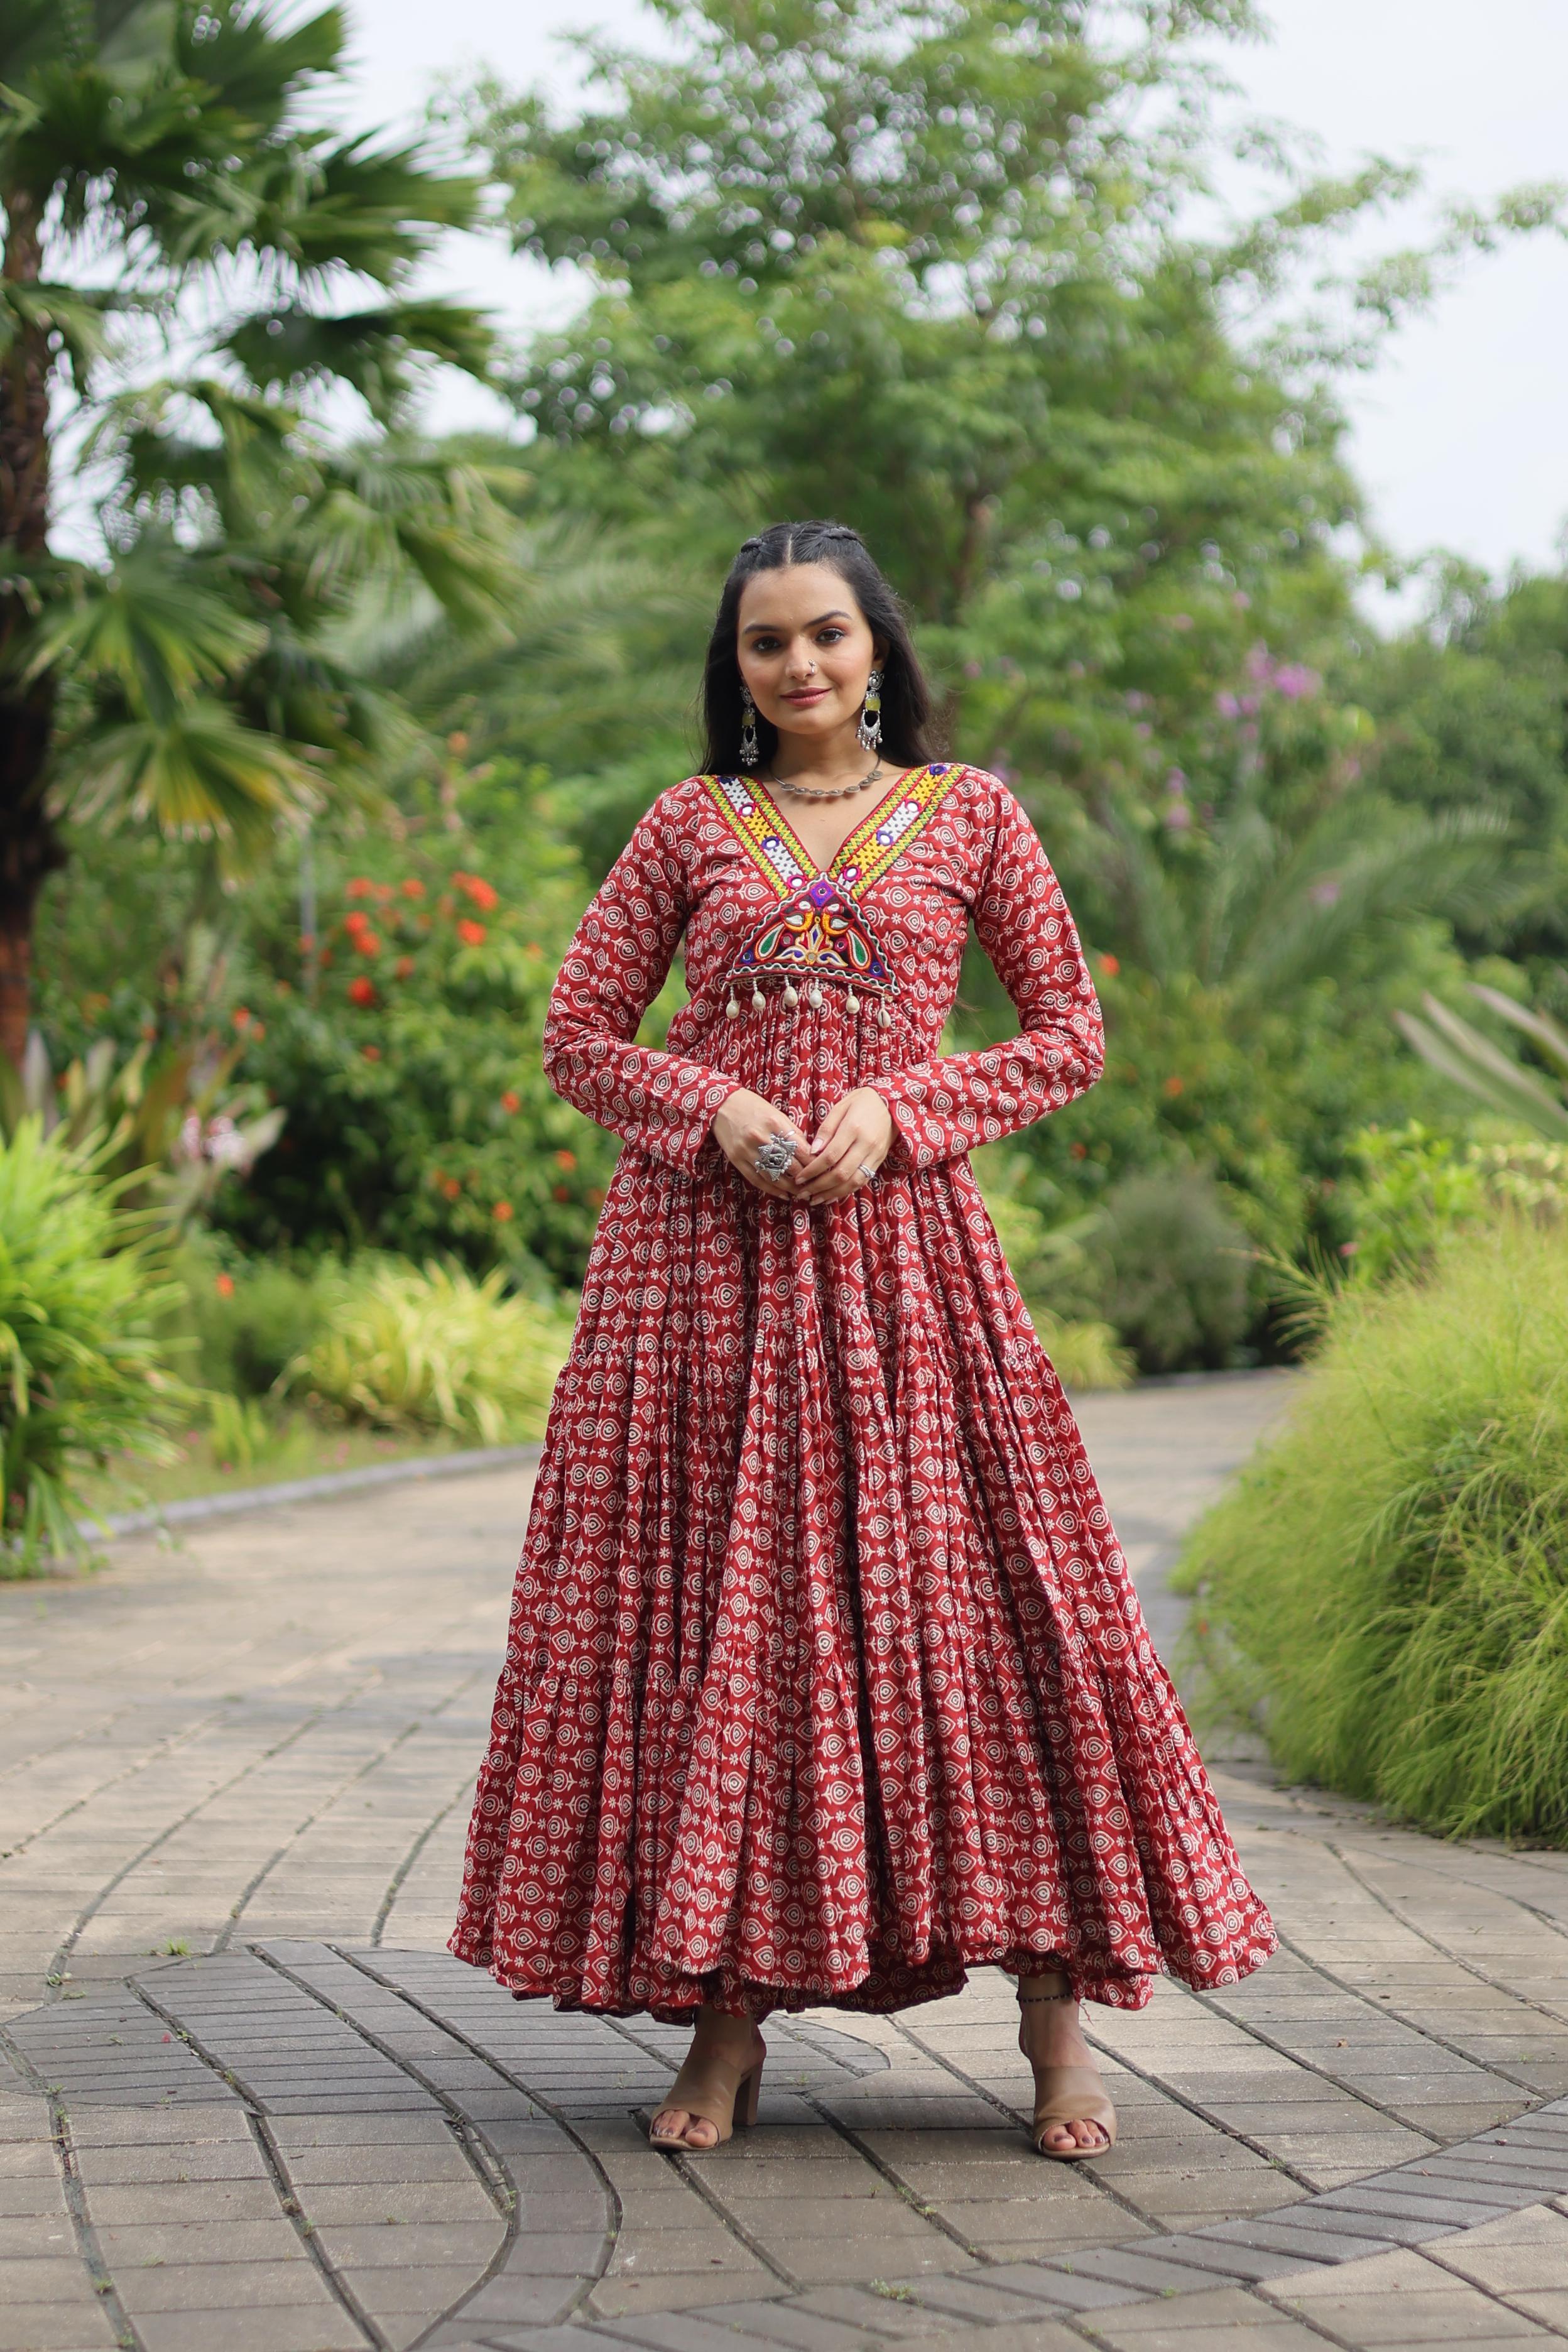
(908, 721)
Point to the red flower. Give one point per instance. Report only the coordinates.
(383, 893)
(371, 1052)
(402, 969)
(413, 888)
(450, 1186)
(483, 895)
(504, 1213)
(559, 1192)
(510, 1102)
(362, 991)
(360, 888)
(472, 934)
(566, 1160)
(366, 941)
(223, 1286)
(1079, 1151)
(1110, 965)
(242, 1016)
(1175, 1086)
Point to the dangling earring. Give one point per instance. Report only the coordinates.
(871, 728)
(750, 750)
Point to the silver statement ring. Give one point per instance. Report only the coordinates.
(774, 1158)
(866, 1171)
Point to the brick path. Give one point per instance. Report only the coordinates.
(248, 2104)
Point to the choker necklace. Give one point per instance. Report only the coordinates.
(815, 792)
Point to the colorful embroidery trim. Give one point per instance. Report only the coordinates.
(819, 934)
(865, 855)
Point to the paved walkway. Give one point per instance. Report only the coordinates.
(248, 2102)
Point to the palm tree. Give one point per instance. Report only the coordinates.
(171, 202)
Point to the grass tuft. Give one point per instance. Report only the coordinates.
(1384, 1593)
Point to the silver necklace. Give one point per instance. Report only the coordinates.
(815, 792)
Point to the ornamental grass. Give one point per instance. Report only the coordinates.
(1384, 1593)
(409, 1348)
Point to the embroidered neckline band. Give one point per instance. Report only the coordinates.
(819, 932)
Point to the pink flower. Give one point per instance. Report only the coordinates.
(1295, 680)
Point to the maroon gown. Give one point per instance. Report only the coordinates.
(826, 1678)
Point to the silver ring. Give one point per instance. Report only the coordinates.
(866, 1171)
(774, 1158)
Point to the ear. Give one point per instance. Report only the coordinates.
(880, 652)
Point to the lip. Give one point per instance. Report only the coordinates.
(808, 694)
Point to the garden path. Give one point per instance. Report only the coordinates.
(248, 2101)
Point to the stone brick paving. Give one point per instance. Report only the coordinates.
(248, 2103)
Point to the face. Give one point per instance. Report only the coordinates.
(806, 649)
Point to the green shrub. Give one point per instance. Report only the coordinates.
(1385, 1591)
(82, 1374)
(1085, 1355)
(1171, 1268)
(410, 1348)
(242, 1321)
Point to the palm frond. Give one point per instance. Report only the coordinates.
(1449, 1042)
(158, 625)
(199, 773)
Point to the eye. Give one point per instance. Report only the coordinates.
(831, 637)
(763, 645)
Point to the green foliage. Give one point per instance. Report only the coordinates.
(82, 1375)
(405, 1348)
(241, 1321)
(1085, 1356)
(1460, 1051)
(1173, 1268)
(1385, 1591)
(168, 182)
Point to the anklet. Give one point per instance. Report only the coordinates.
(1032, 1999)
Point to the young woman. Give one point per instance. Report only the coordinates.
(826, 1680)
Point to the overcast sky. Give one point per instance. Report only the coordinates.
(1459, 435)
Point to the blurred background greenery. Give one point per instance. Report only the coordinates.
(312, 753)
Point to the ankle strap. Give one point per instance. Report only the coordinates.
(1028, 1999)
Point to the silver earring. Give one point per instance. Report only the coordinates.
(751, 750)
(871, 728)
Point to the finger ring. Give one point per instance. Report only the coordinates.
(867, 1169)
(774, 1158)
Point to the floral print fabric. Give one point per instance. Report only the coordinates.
(825, 1679)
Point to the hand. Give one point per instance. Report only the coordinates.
(857, 1134)
(742, 1123)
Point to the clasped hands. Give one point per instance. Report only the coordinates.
(857, 1134)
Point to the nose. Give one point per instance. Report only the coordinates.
(802, 661)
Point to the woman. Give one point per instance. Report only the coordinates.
(825, 1679)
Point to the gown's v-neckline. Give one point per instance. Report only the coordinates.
(830, 872)
(863, 856)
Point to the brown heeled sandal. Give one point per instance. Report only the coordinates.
(711, 2089)
(1067, 2095)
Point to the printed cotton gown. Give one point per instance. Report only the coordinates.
(826, 1678)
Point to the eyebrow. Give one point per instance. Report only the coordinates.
(834, 616)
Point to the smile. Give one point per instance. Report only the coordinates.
(808, 694)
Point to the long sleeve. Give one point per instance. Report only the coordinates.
(612, 970)
(954, 1102)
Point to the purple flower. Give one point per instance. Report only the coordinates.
(1227, 705)
(972, 670)
(1175, 782)
(1250, 705)
(1260, 664)
(1242, 601)
(1324, 894)
(1178, 817)
(1294, 680)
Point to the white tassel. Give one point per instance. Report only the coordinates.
(884, 1018)
(813, 997)
(734, 1008)
(792, 994)
(853, 1002)
(758, 999)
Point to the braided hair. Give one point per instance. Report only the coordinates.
(908, 721)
